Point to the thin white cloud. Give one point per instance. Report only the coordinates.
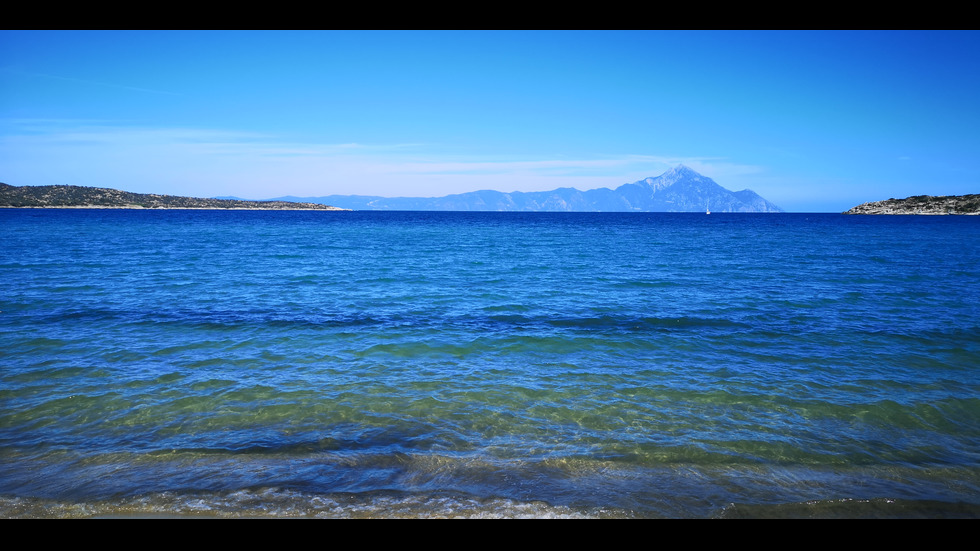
(219, 162)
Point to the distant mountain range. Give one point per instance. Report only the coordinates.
(680, 189)
(922, 204)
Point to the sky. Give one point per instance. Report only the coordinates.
(814, 121)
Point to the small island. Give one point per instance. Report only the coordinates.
(54, 197)
(922, 204)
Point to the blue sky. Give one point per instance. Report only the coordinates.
(814, 121)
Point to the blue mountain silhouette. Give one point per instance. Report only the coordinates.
(680, 189)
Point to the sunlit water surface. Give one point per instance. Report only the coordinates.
(429, 365)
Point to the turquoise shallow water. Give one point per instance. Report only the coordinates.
(387, 364)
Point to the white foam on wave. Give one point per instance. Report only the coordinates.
(285, 503)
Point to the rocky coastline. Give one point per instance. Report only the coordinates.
(922, 204)
(106, 198)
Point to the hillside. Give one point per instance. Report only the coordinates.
(93, 197)
(922, 204)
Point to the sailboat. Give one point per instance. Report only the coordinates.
(706, 209)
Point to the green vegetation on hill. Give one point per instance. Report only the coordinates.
(922, 204)
(81, 196)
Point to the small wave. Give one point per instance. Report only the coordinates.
(645, 322)
(285, 503)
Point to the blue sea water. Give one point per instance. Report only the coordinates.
(497, 365)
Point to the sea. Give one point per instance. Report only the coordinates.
(360, 364)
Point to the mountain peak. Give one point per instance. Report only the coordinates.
(682, 168)
(680, 171)
(672, 176)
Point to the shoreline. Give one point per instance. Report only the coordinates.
(911, 213)
(922, 205)
(140, 207)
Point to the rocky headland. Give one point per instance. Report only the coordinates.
(922, 204)
(94, 197)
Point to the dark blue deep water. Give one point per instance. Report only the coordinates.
(411, 364)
